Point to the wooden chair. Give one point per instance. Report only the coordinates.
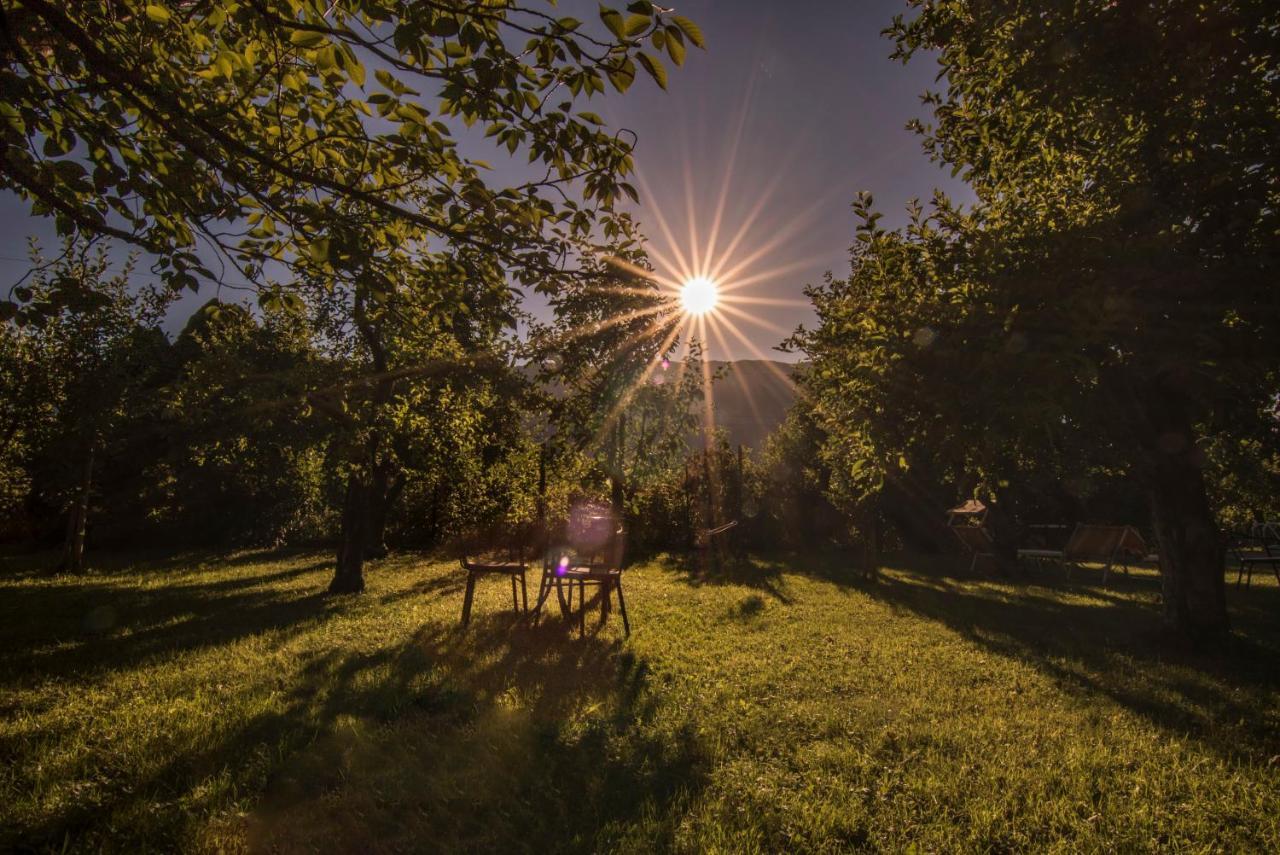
(977, 540)
(588, 563)
(1266, 554)
(1104, 544)
(508, 560)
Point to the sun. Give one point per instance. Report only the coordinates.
(699, 295)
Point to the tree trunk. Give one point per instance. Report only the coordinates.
(1191, 549)
(383, 495)
(1192, 568)
(348, 578)
(617, 478)
(78, 519)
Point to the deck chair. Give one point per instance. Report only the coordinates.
(1104, 544)
(977, 540)
(480, 558)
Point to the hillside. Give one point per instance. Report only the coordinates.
(752, 398)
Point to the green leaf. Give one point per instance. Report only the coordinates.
(355, 71)
(655, 68)
(306, 39)
(159, 14)
(613, 21)
(637, 24)
(623, 77)
(690, 29)
(675, 49)
(319, 250)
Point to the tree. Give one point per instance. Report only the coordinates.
(405, 360)
(257, 129)
(1106, 301)
(92, 355)
(607, 352)
(242, 462)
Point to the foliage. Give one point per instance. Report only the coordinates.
(215, 702)
(322, 138)
(88, 367)
(801, 494)
(617, 398)
(243, 463)
(1103, 308)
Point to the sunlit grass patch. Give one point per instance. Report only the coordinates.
(219, 702)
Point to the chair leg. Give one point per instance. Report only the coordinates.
(524, 593)
(543, 593)
(582, 608)
(515, 603)
(622, 607)
(467, 597)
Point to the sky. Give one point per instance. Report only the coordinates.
(793, 108)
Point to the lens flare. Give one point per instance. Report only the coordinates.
(699, 295)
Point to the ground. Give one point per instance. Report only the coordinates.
(223, 703)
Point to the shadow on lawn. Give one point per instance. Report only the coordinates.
(1110, 641)
(764, 574)
(1090, 638)
(99, 625)
(503, 737)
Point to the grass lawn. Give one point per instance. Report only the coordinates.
(221, 703)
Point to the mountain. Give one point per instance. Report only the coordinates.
(752, 398)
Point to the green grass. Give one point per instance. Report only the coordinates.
(220, 703)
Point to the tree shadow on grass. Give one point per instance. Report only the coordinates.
(101, 626)
(760, 573)
(1102, 642)
(502, 737)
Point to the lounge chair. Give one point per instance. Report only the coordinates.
(1104, 544)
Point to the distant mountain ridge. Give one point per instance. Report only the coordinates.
(752, 398)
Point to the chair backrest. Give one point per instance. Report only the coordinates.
(1098, 542)
(1133, 543)
(505, 545)
(975, 538)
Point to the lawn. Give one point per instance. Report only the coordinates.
(203, 702)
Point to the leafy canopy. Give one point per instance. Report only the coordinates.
(324, 138)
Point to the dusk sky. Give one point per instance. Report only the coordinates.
(806, 94)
